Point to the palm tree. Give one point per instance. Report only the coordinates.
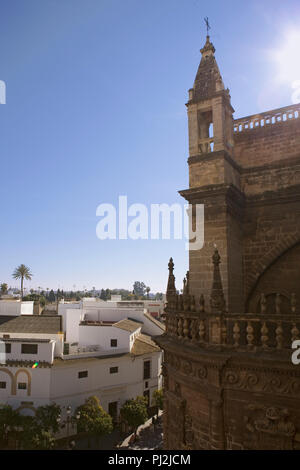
(22, 272)
(147, 290)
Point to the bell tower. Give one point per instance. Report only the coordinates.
(209, 108)
(214, 180)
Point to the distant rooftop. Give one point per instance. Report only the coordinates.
(30, 324)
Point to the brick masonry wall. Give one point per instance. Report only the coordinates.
(269, 231)
(271, 177)
(264, 145)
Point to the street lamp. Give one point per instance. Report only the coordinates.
(66, 422)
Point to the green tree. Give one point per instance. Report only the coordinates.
(29, 430)
(9, 419)
(44, 440)
(4, 288)
(51, 296)
(103, 295)
(38, 431)
(134, 412)
(93, 419)
(139, 288)
(159, 296)
(147, 290)
(47, 417)
(36, 297)
(22, 272)
(158, 399)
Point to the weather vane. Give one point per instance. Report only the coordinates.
(207, 24)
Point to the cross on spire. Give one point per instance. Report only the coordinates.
(207, 25)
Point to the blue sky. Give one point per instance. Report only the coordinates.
(96, 93)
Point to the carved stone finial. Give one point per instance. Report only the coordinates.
(171, 289)
(184, 286)
(208, 47)
(188, 282)
(217, 300)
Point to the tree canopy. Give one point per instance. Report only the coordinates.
(93, 419)
(134, 412)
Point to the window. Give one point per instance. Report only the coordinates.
(82, 374)
(147, 367)
(114, 370)
(22, 386)
(113, 343)
(29, 348)
(7, 347)
(2, 384)
(147, 384)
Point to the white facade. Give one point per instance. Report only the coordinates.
(100, 351)
(16, 307)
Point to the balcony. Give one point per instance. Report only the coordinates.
(268, 118)
(254, 332)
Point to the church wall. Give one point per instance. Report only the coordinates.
(271, 143)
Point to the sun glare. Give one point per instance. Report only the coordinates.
(287, 57)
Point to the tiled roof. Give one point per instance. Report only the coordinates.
(128, 325)
(157, 322)
(30, 324)
(143, 344)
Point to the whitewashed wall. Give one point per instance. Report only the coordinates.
(15, 308)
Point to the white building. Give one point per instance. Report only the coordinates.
(90, 348)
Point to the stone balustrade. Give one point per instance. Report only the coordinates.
(247, 331)
(268, 118)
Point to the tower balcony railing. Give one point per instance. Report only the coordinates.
(206, 145)
(235, 331)
(273, 329)
(266, 119)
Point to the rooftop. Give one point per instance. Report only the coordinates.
(31, 324)
(143, 344)
(128, 325)
(157, 322)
